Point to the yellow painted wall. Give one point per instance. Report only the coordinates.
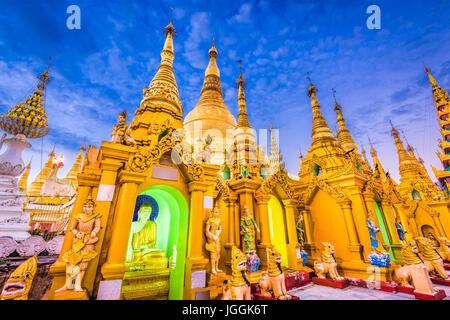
(277, 226)
(328, 224)
(423, 218)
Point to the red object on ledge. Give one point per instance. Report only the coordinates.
(405, 289)
(440, 281)
(296, 279)
(340, 284)
(437, 296)
(389, 287)
(259, 296)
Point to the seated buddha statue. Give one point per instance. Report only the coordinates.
(143, 242)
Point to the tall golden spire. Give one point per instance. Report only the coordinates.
(344, 137)
(163, 88)
(407, 165)
(376, 162)
(23, 182)
(35, 187)
(320, 131)
(29, 117)
(161, 102)
(211, 113)
(76, 168)
(242, 85)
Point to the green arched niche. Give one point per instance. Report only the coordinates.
(415, 194)
(172, 224)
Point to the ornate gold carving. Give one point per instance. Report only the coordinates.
(317, 183)
(147, 156)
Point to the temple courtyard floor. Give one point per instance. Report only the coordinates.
(318, 292)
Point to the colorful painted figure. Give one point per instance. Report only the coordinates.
(373, 230)
(300, 231)
(378, 257)
(401, 232)
(213, 230)
(248, 230)
(85, 228)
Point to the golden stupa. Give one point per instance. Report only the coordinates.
(211, 116)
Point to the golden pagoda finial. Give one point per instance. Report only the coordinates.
(242, 114)
(373, 152)
(430, 77)
(241, 80)
(170, 29)
(44, 77)
(212, 68)
(320, 130)
(29, 117)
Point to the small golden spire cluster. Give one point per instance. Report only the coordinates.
(29, 117)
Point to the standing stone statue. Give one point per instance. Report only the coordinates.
(213, 229)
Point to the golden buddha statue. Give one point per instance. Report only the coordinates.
(143, 242)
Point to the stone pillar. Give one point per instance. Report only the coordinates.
(354, 244)
(197, 190)
(437, 222)
(412, 222)
(114, 267)
(230, 204)
(309, 243)
(262, 201)
(293, 245)
(196, 259)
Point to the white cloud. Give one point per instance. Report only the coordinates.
(243, 16)
(199, 31)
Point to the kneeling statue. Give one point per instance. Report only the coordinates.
(327, 264)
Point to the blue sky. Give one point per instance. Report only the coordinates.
(101, 69)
